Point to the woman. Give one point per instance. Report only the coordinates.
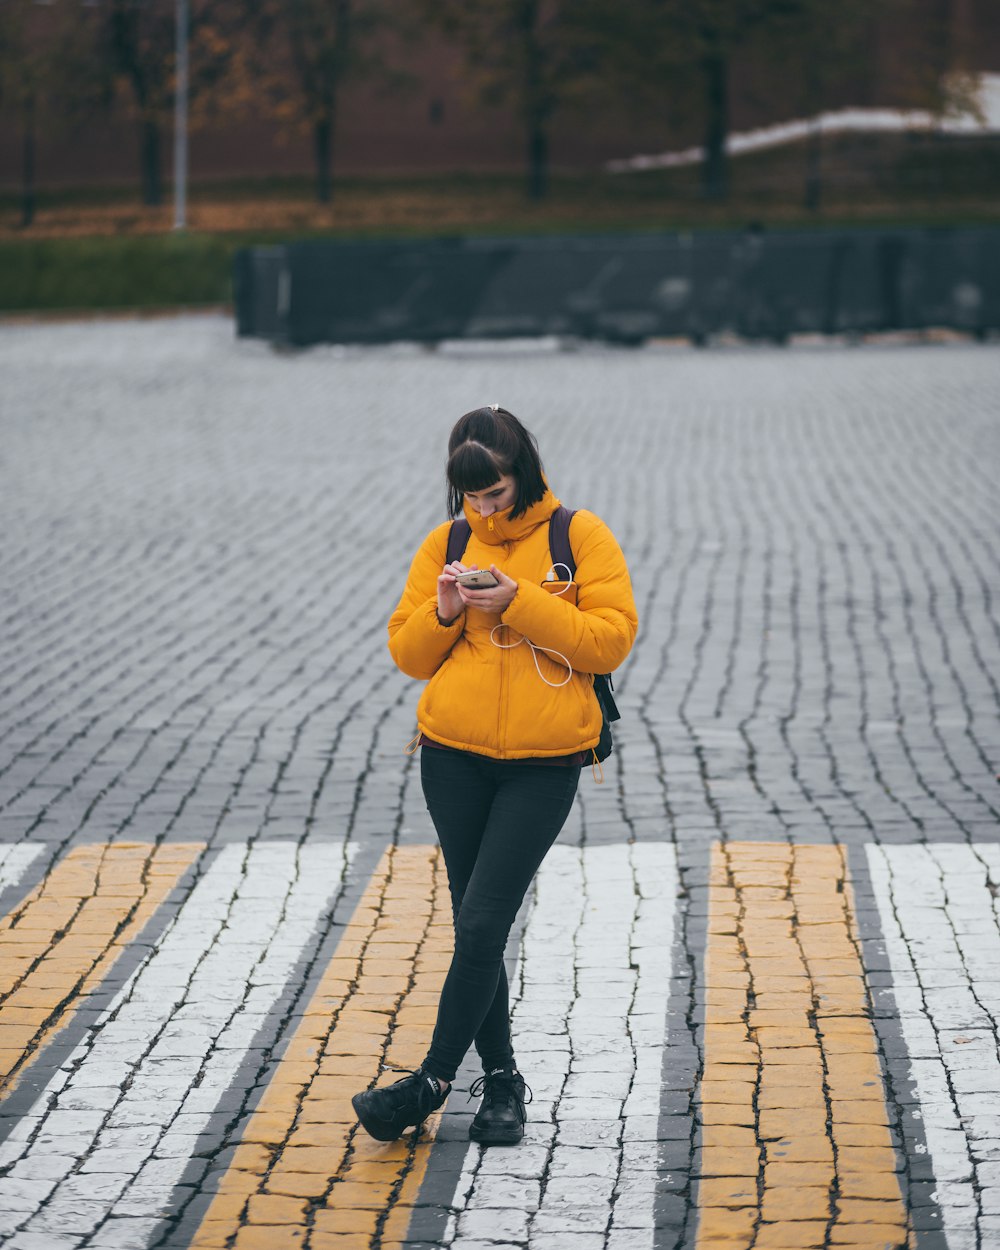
(506, 721)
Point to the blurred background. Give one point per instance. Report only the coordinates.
(395, 118)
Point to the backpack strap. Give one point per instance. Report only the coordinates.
(559, 545)
(458, 540)
(562, 553)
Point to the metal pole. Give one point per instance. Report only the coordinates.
(181, 119)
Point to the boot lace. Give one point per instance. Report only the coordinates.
(417, 1073)
(502, 1087)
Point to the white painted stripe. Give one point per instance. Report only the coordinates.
(232, 948)
(941, 926)
(15, 860)
(589, 1015)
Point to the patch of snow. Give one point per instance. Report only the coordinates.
(985, 120)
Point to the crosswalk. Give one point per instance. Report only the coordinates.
(64, 939)
(593, 980)
(939, 913)
(141, 1088)
(181, 1030)
(15, 861)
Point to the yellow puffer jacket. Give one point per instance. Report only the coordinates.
(484, 698)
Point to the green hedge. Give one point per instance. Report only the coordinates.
(141, 271)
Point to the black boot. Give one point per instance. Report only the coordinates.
(387, 1112)
(500, 1119)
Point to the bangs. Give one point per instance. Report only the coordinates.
(472, 466)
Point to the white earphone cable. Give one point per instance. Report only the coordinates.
(509, 646)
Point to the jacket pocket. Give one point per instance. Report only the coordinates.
(563, 590)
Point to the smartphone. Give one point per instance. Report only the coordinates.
(476, 579)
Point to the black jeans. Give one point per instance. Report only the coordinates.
(495, 821)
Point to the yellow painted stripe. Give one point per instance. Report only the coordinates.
(795, 1145)
(303, 1163)
(64, 938)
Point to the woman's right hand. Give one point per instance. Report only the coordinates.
(449, 602)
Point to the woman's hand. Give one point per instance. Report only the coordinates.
(449, 604)
(493, 598)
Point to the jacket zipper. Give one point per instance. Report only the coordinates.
(502, 710)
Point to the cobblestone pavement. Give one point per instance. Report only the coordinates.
(757, 988)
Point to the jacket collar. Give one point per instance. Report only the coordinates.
(500, 528)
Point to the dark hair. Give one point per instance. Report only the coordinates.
(484, 445)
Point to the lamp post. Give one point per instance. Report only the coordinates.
(181, 119)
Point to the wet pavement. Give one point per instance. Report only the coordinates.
(757, 985)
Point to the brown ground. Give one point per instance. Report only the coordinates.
(427, 212)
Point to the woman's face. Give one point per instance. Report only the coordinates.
(494, 498)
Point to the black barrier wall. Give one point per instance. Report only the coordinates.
(757, 284)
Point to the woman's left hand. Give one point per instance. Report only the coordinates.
(493, 598)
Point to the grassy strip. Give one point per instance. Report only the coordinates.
(159, 271)
(105, 273)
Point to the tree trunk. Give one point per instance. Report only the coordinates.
(814, 169)
(149, 149)
(323, 158)
(535, 103)
(324, 103)
(715, 170)
(28, 162)
(538, 160)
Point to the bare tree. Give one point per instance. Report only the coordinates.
(307, 52)
(677, 56)
(47, 79)
(535, 55)
(709, 34)
(823, 57)
(22, 76)
(135, 44)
